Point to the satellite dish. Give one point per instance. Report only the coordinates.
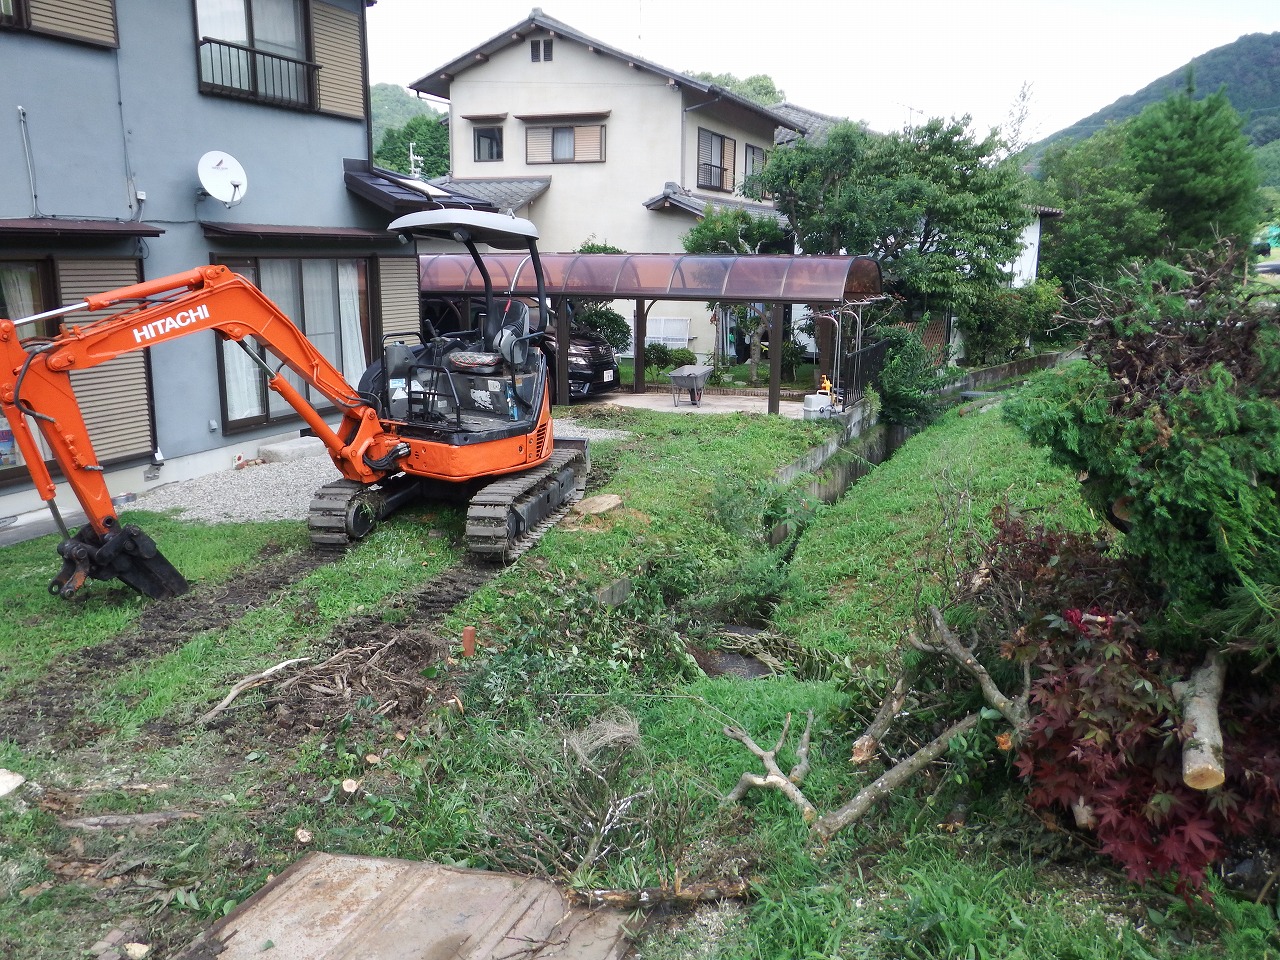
(222, 177)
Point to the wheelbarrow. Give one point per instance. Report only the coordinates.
(691, 377)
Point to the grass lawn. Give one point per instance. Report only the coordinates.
(574, 712)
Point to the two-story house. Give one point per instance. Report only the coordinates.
(110, 106)
(591, 142)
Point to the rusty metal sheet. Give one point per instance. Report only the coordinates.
(332, 907)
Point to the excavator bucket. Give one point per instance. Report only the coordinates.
(125, 553)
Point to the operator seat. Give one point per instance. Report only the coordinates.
(503, 340)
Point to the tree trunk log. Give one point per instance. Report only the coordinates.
(1202, 753)
(654, 896)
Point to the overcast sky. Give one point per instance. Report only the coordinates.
(889, 63)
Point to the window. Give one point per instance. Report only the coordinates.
(715, 160)
(256, 50)
(755, 165)
(25, 287)
(488, 143)
(567, 144)
(540, 51)
(328, 300)
(8, 14)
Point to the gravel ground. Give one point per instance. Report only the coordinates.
(277, 491)
(259, 491)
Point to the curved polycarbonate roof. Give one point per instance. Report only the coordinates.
(662, 276)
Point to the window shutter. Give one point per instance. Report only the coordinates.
(93, 21)
(704, 146)
(340, 82)
(535, 50)
(729, 159)
(538, 145)
(546, 51)
(398, 293)
(115, 396)
(589, 143)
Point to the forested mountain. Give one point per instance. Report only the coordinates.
(1249, 68)
(394, 106)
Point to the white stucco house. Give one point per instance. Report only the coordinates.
(1026, 267)
(590, 142)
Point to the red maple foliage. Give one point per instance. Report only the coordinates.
(1105, 729)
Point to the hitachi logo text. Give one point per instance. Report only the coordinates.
(183, 318)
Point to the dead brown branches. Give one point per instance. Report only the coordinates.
(248, 683)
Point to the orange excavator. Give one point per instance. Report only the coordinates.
(465, 414)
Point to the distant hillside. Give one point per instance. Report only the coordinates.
(394, 106)
(1249, 68)
(1268, 158)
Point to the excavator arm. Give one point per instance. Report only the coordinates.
(35, 387)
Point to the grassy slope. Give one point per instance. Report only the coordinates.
(861, 563)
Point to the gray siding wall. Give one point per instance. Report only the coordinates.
(105, 124)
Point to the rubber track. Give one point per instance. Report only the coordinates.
(490, 517)
(327, 518)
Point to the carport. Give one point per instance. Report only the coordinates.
(834, 287)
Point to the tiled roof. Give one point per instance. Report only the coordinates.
(673, 195)
(399, 194)
(813, 125)
(505, 193)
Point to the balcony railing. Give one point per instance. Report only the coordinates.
(248, 73)
(715, 177)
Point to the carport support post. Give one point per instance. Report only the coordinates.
(640, 327)
(562, 353)
(775, 358)
(827, 346)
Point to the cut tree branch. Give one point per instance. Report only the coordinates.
(653, 896)
(865, 747)
(1015, 711)
(773, 779)
(829, 824)
(1202, 753)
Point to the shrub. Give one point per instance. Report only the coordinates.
(1175, 420)
(1105, 734)
(682, 356)
(657, 356)
(608, 323)
(1003, 321)
(907, 379)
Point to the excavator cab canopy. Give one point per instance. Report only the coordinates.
(463, 226)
